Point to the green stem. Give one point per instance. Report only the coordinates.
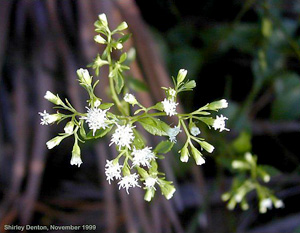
(111, 81)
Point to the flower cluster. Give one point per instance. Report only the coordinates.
(136, 163)
(242, 185)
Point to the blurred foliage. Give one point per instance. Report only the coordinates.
(249, 52)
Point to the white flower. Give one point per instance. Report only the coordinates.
(123, 136)
(112, 171)
(173, 132)
(129, 181)
(96, 119)
(279, 204)
(265, 204)
(129, 98)
(223, 103)
(48, 119)
(172, 92)
(142, 157)
(219, 123)
(169, 107)
(119, 46)
(76, 160)
(195, 131)
(150, 182)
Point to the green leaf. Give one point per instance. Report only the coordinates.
(154, 126)
(242, 144)
(137, 85)
(104, 106)
(124, 38)
(119, 82)
(123, 58)
(207, 120)
(159, 106)
(138, 141)
(286, 104)
(163, 147)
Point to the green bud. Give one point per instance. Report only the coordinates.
(231, 204)
(216, 105)
(206, 146)
(181, 76)
(238, 164)
(264, 175)
(125, 170)
(53, 118)
(149, 194)
(99, 39)
(76, 158)
(53, 98)
(190, 85)
(225, 196)
(184, 154)
(197, 156)
(167, 190)
(69, 127)
(143, 173)
(84, 76)
(122, 26)
(103, 19)
(249, 157)
(54, 142)
(244, 205)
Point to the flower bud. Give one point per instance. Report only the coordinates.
(54, 142)
(103, 19)
(76, 159)
(218, 105)
(53, 118)
(129, 98)
(225, 196)
(99, 39)
(149, 195)
(119, 46)
(122, 26)
(84, 76)
(237, 164)
(206, 146)
(168, 190)
(278, 204)
(181, 75)
(197, 156)
(184, 154)
(53, 98)
(69, 127)
(194, 129)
